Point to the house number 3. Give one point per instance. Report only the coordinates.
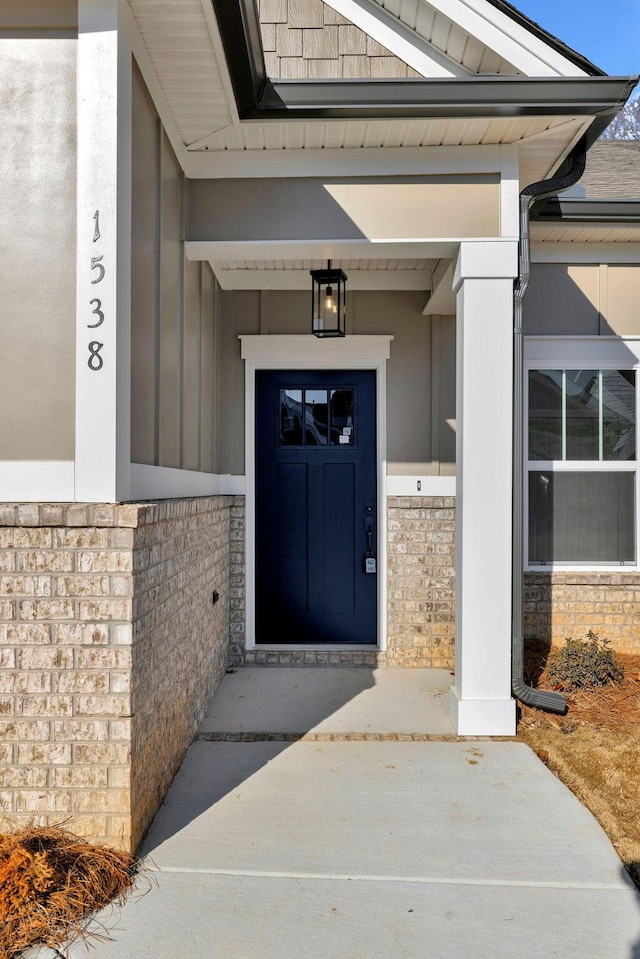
(95, 361)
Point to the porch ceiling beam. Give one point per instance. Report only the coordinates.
(299, 279)
(414, 249)
(442, 299)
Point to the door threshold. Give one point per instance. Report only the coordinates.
(315, 647)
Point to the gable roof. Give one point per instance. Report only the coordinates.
(203, 62)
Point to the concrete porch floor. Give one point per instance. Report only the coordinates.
(259, 699)
(388, 848)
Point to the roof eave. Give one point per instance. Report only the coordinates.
(259, 98)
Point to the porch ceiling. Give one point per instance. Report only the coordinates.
(363, 274)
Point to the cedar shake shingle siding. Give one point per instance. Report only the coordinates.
(306, 39)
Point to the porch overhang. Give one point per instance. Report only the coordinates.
(260, 98)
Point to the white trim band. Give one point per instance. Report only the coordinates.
(37, 482)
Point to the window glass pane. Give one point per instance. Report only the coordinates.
(291, 417)
(315, 417)
(342, 426)
(545, 415)
(581, 517)
(583, 415)
(618, 415)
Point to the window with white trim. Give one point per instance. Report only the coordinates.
(581, 464)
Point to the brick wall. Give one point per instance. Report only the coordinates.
(558, 605)
(237, 582)
(110, 649)
(421, 584)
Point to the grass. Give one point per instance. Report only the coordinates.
(595, 750)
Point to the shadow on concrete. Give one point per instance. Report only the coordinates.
(213, 767)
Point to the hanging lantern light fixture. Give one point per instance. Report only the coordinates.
(328, 301)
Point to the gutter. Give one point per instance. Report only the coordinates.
(549, 701)
(483, 97)
(587, 210)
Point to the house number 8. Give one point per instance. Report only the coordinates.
(95, 360)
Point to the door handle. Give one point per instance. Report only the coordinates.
(370, 555)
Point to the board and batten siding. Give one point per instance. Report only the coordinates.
(173, 309)
(583, 300)
(420, 372)
(38, 48)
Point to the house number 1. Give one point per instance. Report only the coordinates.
(95, 361)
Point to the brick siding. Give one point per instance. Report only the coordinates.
(110, 649)
(421, 581)
(558, 605)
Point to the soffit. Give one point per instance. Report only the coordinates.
(584, 233)
(332, 134)
(423, 265)
(185, 51)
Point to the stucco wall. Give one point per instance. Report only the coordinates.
(38, 234)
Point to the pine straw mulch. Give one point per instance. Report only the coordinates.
(52, 883)
(594, 749)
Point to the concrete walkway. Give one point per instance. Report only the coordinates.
(387, 848)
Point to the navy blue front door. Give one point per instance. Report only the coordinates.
(316, 507)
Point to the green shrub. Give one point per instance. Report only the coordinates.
(585, 663)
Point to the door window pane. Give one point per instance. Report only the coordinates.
(618, 415)
(545, 415)
(582, 415)
(581, 517)
(316, 417)
(342, 418)
(290, 417)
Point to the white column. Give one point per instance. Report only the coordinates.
(104, 255)
(481, 700)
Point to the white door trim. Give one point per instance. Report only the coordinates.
(307, 352)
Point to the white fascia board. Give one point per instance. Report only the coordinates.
(421, 486)
(412, 249)
(360, 161)
(510, 191)
(300, 349)
(511, 41)
(152, 83)
(37, 482)
(163, 482)
(495, 259)
(398, 38)
(593, 252)
(299, 279)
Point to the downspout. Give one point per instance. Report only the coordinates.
(551, 702)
